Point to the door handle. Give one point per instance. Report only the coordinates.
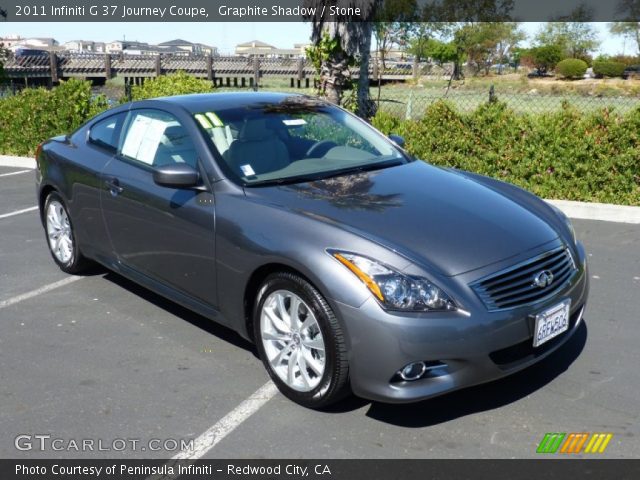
(114, 187)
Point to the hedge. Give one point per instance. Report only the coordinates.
(173, 84)
(561, 155)
(607, 68)
(572, 68)
(35, 114)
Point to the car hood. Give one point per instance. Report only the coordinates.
(433, 216)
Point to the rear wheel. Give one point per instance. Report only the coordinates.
(60, 236)
(300, 341)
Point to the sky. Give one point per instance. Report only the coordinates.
(224, 35)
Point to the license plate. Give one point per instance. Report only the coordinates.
(551, 323)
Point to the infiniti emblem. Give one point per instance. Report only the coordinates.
(543, 279)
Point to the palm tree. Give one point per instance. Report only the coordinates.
(349, 40)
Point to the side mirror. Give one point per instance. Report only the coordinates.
(397, 139)
(177, 175)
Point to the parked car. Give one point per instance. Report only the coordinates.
(632, 71)
(351, 265)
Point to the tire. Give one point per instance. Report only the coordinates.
(307, 361)
(61, 238)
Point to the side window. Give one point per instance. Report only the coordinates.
(106, 132)
(156, 138)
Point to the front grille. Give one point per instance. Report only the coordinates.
(514, 286)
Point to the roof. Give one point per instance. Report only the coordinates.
(176, 42)
(254, 44)
(220, 101)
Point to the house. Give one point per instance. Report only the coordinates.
(188, 47)
(13, 42)
(131, 48)
(84, 46)
(256, 48)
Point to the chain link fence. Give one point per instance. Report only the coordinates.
(412, 103)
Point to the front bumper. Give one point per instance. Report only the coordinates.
(475, 348)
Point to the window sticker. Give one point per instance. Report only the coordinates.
(202, 120)
(143, 137)
(293, 122)
(247, 170)
(215, 120)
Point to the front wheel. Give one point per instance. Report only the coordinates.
(300, 341)
(60, 236)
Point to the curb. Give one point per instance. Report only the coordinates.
(605, 212)
(581, 210)
(19, 162)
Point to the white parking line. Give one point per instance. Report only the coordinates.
(222, 428)
(38, 291)
(229, 422)
(14, 173)
(18, 212)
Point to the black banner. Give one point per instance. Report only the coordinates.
(561, 469)
(329, 10)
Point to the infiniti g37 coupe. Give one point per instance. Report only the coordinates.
(352, 266)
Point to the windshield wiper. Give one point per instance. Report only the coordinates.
(324, 175)
(370, 167)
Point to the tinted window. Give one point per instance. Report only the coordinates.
(157, 138)
(105, 133)
(296, 139)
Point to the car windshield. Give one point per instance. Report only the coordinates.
(298, 139)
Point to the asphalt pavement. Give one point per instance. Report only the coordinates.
(97, 360)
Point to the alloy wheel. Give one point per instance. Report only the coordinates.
(59, 232)
(292, 340)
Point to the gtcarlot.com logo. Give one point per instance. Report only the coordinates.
(574, 443)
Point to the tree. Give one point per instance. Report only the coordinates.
(543, 58)
(629, 30)
(487, 43)
(3, 51)
(346, 42)
(391, 20)
(469, 14)
(440, 51)
(572, 33)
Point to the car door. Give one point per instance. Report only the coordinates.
(162, 232)
(87, 155)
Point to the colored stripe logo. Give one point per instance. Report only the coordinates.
(574, 442)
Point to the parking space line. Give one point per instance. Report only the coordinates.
(18, 212)
(38, 291)
(214, 435)
(14, 173)
(222, 428)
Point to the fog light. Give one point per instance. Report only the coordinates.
(413, 371)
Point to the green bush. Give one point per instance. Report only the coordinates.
(173, 84)
(35, 114)
(563, 155)
(571, 68)
(607, 68)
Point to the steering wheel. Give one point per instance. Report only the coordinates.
(327, 144)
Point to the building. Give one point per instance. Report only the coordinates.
(84, 46)
(189, 47)
(13, 42)
(10, 40)
(256, 48)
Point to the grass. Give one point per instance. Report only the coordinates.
(522, 94)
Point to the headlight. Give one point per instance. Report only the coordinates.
(567, 222)
(395, 290)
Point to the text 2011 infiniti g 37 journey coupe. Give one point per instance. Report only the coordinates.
(350, 265)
